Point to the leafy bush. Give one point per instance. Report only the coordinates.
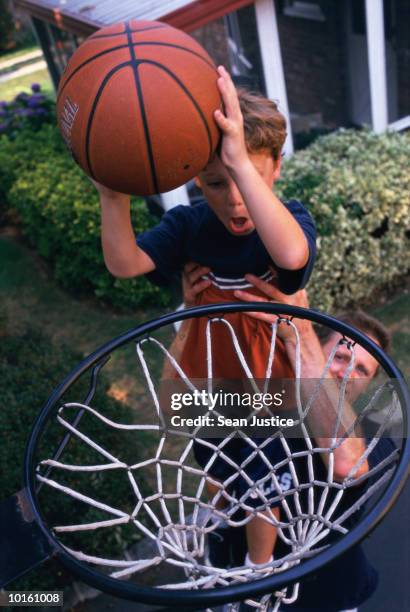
(30, 365)
(301, 140)
(26, 110)
(22, 154)
(356, 185)
(59, 210)
(19, 151)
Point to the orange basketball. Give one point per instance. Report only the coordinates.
(135, 107)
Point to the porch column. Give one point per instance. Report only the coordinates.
(377, 64)
(175, 197)
(272, 61)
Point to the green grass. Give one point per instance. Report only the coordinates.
(41, 331)
(9, 89)
(30, 297)
(30, 300)
(11, 55)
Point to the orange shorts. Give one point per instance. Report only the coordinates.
(254, 338)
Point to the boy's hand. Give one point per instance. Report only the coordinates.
(192, 282)
(233, 150)
(106, 192)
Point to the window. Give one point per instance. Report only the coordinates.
(233, 41)
(304, 10)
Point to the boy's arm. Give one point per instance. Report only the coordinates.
(122, 256)
(281, 234)
(279, 231)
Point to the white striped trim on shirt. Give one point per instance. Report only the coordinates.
(235, 283)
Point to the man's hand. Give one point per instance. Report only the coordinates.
(192, 285)
(192, 282)
(299, 298)
(273, 294)
(233, 151)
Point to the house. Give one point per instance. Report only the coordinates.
(329, 63)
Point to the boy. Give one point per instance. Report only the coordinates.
(220, 232)
(242, 227)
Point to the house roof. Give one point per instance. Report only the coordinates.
(86, 16)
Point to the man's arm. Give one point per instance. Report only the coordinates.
(175, 350)
(323, 417)
(122, 256)
(281, 234)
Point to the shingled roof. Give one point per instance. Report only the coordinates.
(85, 16)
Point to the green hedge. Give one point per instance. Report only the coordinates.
(30, 366)
(356, 185)
(60, 215)
(22, 154)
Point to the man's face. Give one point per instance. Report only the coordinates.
(364, 369)
(224, 197)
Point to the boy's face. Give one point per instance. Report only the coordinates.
(224, 197)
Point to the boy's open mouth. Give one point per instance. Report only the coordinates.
(238, 225)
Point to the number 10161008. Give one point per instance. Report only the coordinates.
(31, 598)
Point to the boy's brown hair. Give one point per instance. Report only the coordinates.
(264, 125)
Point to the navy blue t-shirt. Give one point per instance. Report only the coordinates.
(350, 579)
(195, 233)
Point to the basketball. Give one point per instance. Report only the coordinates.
(135, 107)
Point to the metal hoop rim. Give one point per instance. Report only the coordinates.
(221, 595)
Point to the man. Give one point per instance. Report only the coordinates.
(350, 580)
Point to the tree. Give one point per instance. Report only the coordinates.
(6, 27)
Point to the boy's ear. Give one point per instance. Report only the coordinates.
(197, 182)
(277, 166)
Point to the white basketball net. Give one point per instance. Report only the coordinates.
(179, 539)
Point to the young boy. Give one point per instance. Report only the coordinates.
(220, 233)
(241, 227)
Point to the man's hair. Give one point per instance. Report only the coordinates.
(264, 125)
(366, 324)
